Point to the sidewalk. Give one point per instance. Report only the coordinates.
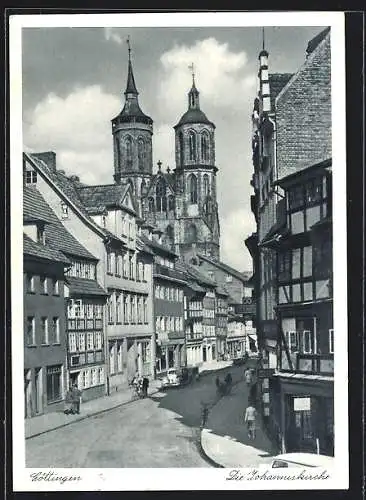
(225, 439)
(50, 421)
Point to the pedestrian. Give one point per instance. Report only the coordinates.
(68, 402)
(228, 379)
(76, 399)
(250, 418)
(145, 386)
(248, 376)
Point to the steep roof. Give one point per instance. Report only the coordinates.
(108, 195)
(81, 286)
(69, 190)
(56, 234)
(33, 249)
(276, 83)
(194, 116)
(199, 276)
(314, 42)
(224, 267)
(157, 247)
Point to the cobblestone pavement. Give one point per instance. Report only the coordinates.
(161, 431)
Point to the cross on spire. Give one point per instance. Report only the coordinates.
(191, 67)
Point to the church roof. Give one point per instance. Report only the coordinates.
(131, 85)
(314, 42)
(194, 116)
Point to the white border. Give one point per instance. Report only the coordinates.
(182, 479)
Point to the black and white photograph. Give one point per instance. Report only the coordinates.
(177, 211)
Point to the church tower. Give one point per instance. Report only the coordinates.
(132, 132)
(195, 174)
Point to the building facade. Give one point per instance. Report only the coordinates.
(44, 316)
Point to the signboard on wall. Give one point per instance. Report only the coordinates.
(265, 372)
(302, 404)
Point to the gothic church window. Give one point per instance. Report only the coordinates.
(141, 153)
(192, 146)
(204, 146)
(181, 148)
(128, 146)
(171, 203)
(192, 188)
(191, 233)
(160, 196)
(143, 186)
(205, 184)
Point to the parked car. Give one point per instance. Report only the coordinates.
(301, 460)
(189, 375)
(171, 379)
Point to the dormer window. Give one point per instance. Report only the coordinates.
(64, 211)
(40, 235)
(30, 177)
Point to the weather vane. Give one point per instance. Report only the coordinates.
(191, 67)
(129, 47)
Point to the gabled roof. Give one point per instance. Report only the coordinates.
(81, 286)
(157, 248)
(57, 236)
(33, 249)
(106, 196)
(224, 267)
(314, 42)
(199, 276)
(69, 190)
(276, 83)
(168, 177)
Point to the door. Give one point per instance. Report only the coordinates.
(27, 394)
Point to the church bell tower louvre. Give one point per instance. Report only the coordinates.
(196, 174)
(132, 132)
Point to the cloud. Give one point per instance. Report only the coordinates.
(163, 146)
(110, 34)
(220, 76)
(235, 228)
(77, 127)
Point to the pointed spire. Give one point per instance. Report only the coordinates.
(131, 85)
(193, 94)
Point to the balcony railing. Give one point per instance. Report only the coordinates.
(311, 364)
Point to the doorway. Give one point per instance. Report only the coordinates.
(204, 353)
(27, 394)
(38, 391)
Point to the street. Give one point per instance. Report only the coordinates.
(161, 431)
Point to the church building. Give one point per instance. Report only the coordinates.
(180, 202)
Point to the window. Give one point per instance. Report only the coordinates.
(30, 283)
(101, 375)
(124, 265)
(192, 188)
(31, 332)
(161, 201)
(78, 309)
(118, 307)
(141, 153)
(110, 305)
(192, 146)
(72, 342)
(30, 177)
(138, 268)
(204, 146)
(98, 311)
(64, 211)
(331, 341)
(55, 287)
(126, 309)
(151, 204)
(90, 341)
(56, 330)
(41, 235)
(139, 310)
(118, 265)
(284, 266)
(132, 267)
(89, 311)
(133, 309)
(98, 340)
(109, 262)
(44, 330)
(191, 233)
(81, 341)
(171, 203)
(181, 148)
(322, 259)
(94, 376)
(43, 284)
(119, 357)
(206, 186)
(54, 386)
(128, 150)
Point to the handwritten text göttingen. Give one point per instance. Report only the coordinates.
(52, 476)
(255, 475)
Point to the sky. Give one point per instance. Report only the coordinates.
(74, 81)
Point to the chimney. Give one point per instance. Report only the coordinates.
(49, 158)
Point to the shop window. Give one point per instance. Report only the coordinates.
(53, 382)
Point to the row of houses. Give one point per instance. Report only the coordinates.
(292, 249)
(105, 299)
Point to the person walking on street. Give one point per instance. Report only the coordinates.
(145, 386)
(76, 399)
(68, 402)
(248, 376)
(250, 418)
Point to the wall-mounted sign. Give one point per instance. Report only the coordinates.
(302, 404)
(265, 372)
